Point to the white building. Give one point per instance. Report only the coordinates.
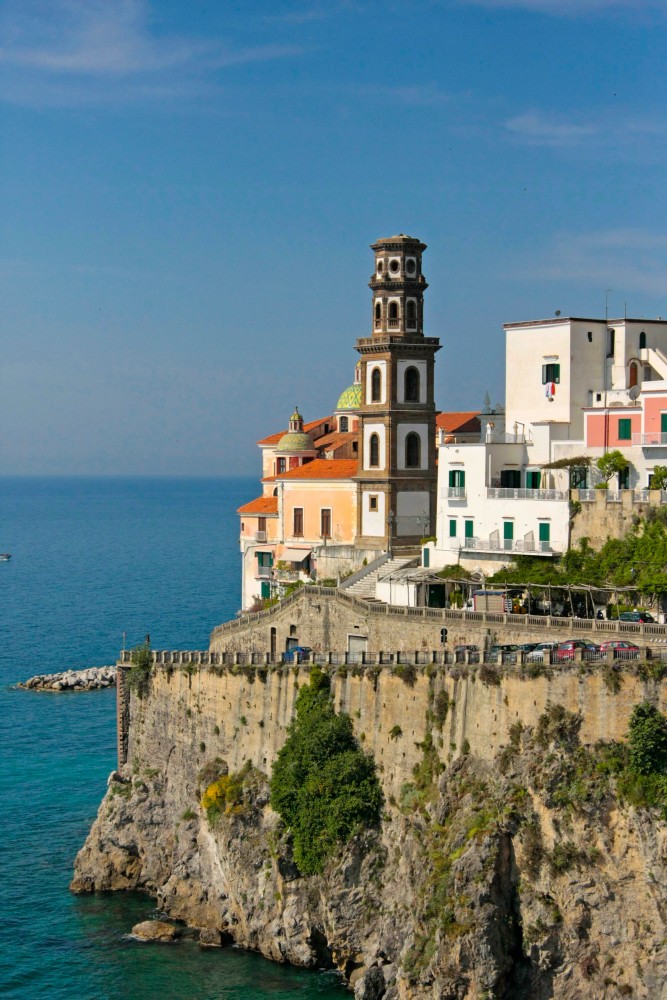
(574, 387)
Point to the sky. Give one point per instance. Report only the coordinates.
(189, 188)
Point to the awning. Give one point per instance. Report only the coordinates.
(295, 555)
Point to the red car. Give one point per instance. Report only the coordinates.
(622, 650)
(566, 650)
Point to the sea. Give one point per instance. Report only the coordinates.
(98, 564)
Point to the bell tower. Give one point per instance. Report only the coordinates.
(397, 473)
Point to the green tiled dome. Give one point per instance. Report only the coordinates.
(351, 398)
(295, 441)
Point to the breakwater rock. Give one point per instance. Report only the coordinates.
(72, 680)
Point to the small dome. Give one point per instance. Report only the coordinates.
(295, 441)
(351, 398)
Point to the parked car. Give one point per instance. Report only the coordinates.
(537, 655)
(297, 654)
(635, 616)
(503, 653)
(622, 650)
(470, 649)
(566, 650)
(527, 647)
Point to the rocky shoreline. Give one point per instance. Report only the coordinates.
(91, 679)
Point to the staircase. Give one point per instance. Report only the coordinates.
(362, 584)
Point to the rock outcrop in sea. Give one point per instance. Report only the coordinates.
(72, 680)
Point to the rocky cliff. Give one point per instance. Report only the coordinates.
(524, 876)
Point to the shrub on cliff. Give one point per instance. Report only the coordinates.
(141, 664)
(324, 786)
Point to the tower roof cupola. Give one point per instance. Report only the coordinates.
(398, 287)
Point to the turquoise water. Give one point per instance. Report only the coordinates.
(91, 559)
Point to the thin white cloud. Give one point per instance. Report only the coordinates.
(573, 8)
(628, 260)
(417, 95)
(50, 48)
(536, 129)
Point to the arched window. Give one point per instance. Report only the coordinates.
(411, 385)
(411, 312)
(412, 451)
(344, 425)
(633, 375)
(376, 386)
(374, 450)
(642, 340)
(378, 312)
(393, 310)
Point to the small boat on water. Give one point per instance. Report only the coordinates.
(5, 556)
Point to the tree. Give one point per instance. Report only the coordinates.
(323, 785)
(659, 478)
(610, 464)
(647, 738)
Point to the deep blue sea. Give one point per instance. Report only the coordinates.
(93, 559)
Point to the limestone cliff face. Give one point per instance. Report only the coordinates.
(521, 878)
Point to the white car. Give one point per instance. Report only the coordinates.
(537, 655)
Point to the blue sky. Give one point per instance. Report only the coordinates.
(188, 189)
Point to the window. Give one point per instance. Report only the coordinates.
(624, 478)
(344, 425)
(411, 385)
(611, 342)
(426, 558)
(508, 534)
(469, 529)
(298, 521)
(550, 373)
(281, 465)
(376, 385)
(355, 447)
(578, 477)
(510, 479)
(412, 451)
(642, 340)
(663, 423)
(378, 312)
(411, 312)
(325, 522)
(374, 450)
(373, 502)
(633, 376)
(533, 479)
(452, 527)
(457, 477)
(261, 524)
(265, 558)
(393, 310)
(625, 429)
(545, 531)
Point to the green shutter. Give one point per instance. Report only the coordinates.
(508, 530)
(469, 529)
(663, 423)
(452, 479)
(427, 557)
(266, 590)
(452, 527)
(533, 480)
(556, 373)
(625, 429)
(545, 532)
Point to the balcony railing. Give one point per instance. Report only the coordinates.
(508, 545)
(507, 493)
(260, 536)
(654, 439)
(456, 492)
(263, 572)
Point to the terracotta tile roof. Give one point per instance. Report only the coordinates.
(335, 439)
(262, 506)
(466, 422)
(321, 468)
(275, 438)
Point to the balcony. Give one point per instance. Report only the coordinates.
(528, 546)
(260, 536)
(455, 493)
(654, 439)
(507, 493)
(263, 573)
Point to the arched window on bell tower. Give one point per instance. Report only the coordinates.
(378, 313)
(411, 313)
(374, 451)
(633, 375)
(642, 340)
(412, 451)
(393, 314)
(411, 385)
(376, 386)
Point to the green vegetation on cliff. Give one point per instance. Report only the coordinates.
(141, 664)
(324, 786)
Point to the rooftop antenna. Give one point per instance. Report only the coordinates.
(606, 303)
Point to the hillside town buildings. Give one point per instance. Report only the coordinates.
(385, 472)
